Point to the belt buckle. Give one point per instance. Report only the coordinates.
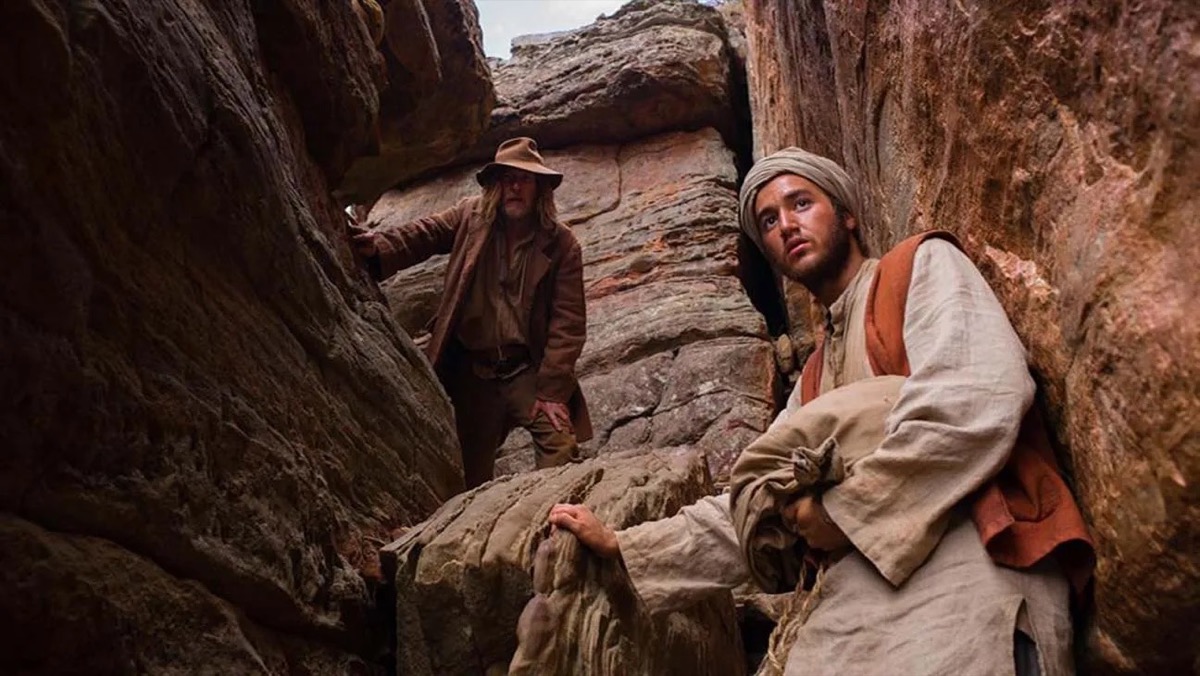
(509, 368)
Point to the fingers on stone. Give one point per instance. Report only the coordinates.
(543, 567)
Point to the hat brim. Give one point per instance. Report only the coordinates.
(487, 175)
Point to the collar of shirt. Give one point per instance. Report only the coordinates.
(837, 314)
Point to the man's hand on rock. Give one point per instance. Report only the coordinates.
(363, 241)
(806, 516)
(555, 412)
(591, 532)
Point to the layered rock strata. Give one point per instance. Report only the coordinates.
(649, 67)
(636, 111)
(211, 422)
(1059, 141)
(437, 99)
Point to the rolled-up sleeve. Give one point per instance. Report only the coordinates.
(954, 424)
(684, 559)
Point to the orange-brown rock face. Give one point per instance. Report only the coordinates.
(208, 413)
(1059, 140)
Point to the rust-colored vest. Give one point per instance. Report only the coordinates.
(1027, 511)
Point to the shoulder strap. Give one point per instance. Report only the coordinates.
(886, 302)
(810, 377)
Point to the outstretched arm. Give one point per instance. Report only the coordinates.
(590, 530)
(673, 562)
(390, 248)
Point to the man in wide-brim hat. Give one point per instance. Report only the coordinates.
(511, 322)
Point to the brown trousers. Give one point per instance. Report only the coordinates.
(486, 410)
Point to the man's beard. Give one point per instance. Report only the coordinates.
(525, 213)
(834, 260)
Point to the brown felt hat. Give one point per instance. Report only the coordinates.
(518, 153)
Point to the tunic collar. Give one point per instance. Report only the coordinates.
(838, 314)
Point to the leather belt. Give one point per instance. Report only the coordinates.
(504, 363)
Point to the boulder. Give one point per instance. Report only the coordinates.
(464, 577)
(195, 373)
(650, 67)
(1060, 142)
(676, 353)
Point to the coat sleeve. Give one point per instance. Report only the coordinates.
(954, 423)
(405, 245)
(678, 561)
(567, 329)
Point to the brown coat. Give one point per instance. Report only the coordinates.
(1026, 512)
(553, 294)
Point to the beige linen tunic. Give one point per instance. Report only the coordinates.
(919, 595)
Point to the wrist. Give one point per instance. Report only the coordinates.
(612, 547)
(823, 514)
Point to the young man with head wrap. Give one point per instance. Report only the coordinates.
(512, 320)
(915, 531)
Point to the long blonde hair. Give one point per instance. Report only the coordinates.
(544, 209)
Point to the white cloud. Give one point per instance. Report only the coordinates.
(503, 20)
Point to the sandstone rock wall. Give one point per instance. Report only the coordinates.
(638, 112)
(210, 420)
(76, 604)
(437, 98)
(1059, 140)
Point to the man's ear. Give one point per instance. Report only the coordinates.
(850, 223)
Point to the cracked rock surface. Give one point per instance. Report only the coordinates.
(652, 66)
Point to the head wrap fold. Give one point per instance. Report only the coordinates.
(822, 171)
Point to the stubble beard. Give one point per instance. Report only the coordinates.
(832, 263)
(523, 215)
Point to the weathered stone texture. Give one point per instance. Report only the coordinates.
(437, 99)
(1059, 140)
(651, 66)
(675, 352)
(83, 605)
(192, 370)
(464, 577)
